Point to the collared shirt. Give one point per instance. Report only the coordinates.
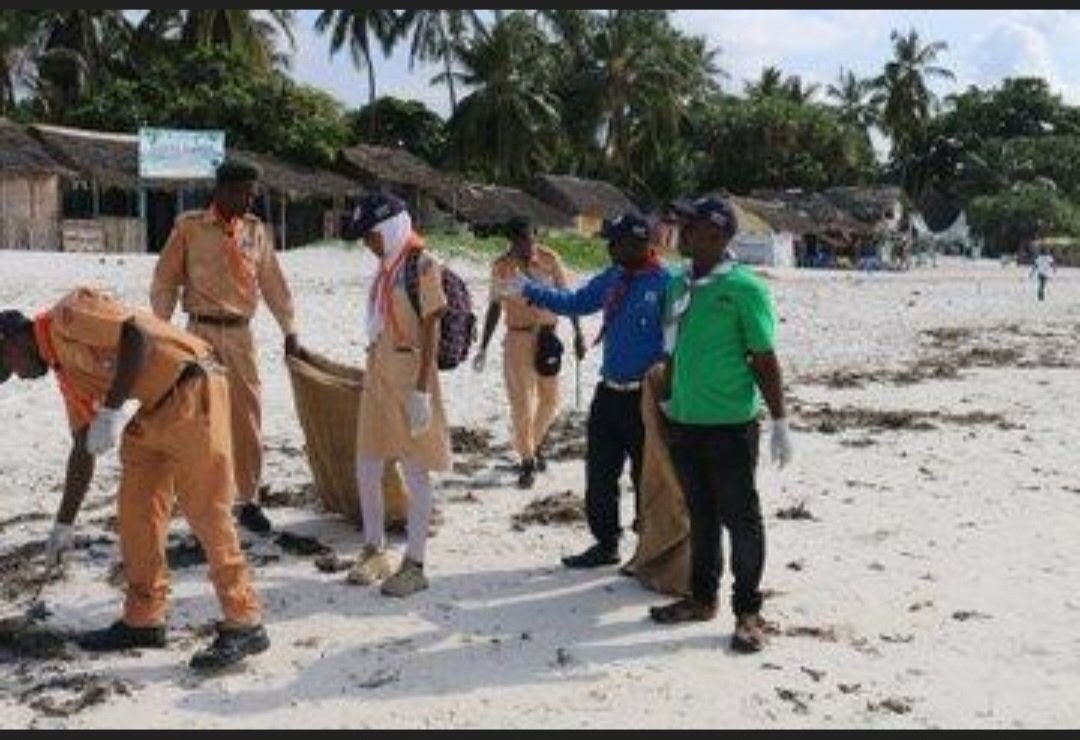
(79, 338)
(207, 259)
(633, 338)
(545, 267)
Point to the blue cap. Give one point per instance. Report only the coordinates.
(372, 210)
(709, 208)
(626, 226)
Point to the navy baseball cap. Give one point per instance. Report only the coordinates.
(626, 226)
(709, 208)
(372, 210)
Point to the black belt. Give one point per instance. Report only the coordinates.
(533, 328)
(219, 320)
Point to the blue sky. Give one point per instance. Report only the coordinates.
(985, 46)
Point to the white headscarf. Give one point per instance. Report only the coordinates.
(395, 232)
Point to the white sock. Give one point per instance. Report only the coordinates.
(421, 503)
(369, 473)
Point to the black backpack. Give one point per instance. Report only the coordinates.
(457, 329)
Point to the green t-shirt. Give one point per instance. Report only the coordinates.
(719, 321)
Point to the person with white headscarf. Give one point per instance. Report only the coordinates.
(401, 414)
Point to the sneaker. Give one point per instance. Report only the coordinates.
(408, 580)
(372, 566)
(594, 557)
(541, 462)
(119, 636)
(683, 610)
(251, 517)
(527, 475)
(749, 634)
(231, 645)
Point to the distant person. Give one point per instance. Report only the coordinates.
(1042, 269)
(220, 263)
(532, 351)
(630, 293)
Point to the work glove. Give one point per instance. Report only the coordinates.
(61, 539)
(480, 361)
(419, 413)
(780, 443)
(104, 431)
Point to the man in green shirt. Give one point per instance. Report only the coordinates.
(720, 332)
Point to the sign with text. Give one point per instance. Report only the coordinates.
(172, 154)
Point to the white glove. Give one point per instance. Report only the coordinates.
(480, 361)
(61, 539)
(419, 413)
(780, 443)
(513, 287)
(104, 431)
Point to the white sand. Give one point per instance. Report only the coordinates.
(943, 561)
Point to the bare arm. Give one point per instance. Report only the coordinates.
(80, 471)
(491, 322)
(769, 379)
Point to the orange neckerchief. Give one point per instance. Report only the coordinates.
(83, 406)
(387, 277)
(241, 262)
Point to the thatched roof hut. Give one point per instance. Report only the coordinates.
(399, 171)
(869, 205)
(23, 155)
(583, 197)
(491, 205)
(111, 160)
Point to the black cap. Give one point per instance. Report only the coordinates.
(518, 227)
(626, 226)
(709, 208)
(372, 210)
(236, 170)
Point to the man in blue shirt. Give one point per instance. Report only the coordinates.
(631, 295)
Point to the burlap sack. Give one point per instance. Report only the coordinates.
(328, 397)
(662, 560)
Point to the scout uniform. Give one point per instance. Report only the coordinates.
(177, 444)
(223, 268)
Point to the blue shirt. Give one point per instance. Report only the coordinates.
(634, 337)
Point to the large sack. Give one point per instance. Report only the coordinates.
(662, 559)
(328, 397)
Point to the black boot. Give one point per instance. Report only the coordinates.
(250, 516)
(231, 646)
(527, 476)
(594, 557)
(119, 636)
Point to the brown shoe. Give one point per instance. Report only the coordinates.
(749, 634)
(683, 610)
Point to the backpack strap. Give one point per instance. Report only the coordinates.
(412, 280)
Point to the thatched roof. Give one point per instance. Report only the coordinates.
(577, 195)
(112, 160)
(778, 215)
(487, 205)
(397, 170)
(868, 205)
(822, 211)
(22, 154)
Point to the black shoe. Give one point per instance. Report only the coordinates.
(541, 462)
(231, 646)
(119, 636)
(527, 476)
(252, 518)
(594, 557)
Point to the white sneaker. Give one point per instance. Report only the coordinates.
(372, 566)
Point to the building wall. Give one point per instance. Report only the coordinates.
(112, 234)
(30, 212)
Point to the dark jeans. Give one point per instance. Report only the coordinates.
(716, 465)
(615, 432)
(1042, 287)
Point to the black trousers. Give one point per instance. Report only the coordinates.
(615, 433)
(716, 467)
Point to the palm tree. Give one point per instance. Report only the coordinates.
(16, 37)
(855, 100)
(908, 101)
(358, 28)
(773, 84)
(506, 125)
(434, 35)
(254, 36)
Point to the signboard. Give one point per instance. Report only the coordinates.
(171, 154)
